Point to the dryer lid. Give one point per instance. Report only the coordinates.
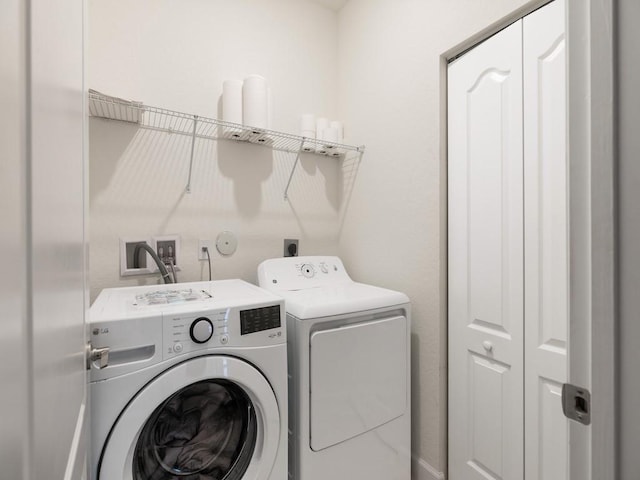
(339, 299)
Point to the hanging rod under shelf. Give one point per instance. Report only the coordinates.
(195, 126)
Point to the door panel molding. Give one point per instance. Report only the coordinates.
(546, 242)
(485, 267)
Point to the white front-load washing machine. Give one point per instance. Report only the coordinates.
(349, 371)
(195, 386)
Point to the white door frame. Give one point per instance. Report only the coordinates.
(592, 240)
(590, 76)
(15, 419)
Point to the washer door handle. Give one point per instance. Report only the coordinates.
(99, 357)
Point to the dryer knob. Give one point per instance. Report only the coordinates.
(201, 330)
(308, 270)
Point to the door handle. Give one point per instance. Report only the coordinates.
(488, 346)
(98, 356)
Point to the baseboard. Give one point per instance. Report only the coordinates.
(421, 470)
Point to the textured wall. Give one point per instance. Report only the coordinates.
(176, 54)
(394, 234)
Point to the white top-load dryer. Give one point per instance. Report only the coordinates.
(349, 372)
(195, 384)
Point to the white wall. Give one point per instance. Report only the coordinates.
(394, 233)
(176, 54)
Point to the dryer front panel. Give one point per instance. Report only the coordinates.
(358, 379)
(210, 417)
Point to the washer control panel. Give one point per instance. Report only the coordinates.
(241, 326)
(191, 332)
(259, 319)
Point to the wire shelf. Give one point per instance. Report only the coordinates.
(155, 118)
(161, 119)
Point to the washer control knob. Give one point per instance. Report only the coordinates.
(177, 348)
(201, 330)
(308, 270)
(224, 339)
(323, 268)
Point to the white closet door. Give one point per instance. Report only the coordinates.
(486, 260)
(546, 267)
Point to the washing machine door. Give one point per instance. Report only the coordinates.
(209, 418)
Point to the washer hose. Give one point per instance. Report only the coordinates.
(136, 263)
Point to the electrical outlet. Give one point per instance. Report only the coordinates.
(210, 244)
(290, 247)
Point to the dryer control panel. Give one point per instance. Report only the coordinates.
(294, 273)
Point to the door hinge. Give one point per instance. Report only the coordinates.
(576, 403)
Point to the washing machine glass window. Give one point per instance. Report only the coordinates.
(204, 431)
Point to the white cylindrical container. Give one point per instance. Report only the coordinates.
(331, 135)
(232, 101)
(255, 102)
(321, 125)
(308, 125)
(340, 130)
(308, 129)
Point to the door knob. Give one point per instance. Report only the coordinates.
(488, 346)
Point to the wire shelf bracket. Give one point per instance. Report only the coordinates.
(293, 169)
(193, 146)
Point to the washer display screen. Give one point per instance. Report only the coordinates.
(258, 319)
